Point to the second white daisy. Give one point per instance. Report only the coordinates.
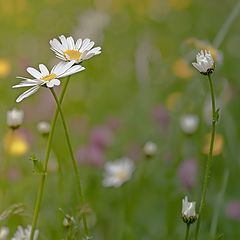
(47, 78)
(67, 50)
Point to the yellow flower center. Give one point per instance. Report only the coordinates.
(121, 175)
(72, 54)
(49, 77)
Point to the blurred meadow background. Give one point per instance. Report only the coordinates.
(141, 88)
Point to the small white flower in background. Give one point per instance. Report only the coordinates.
(24, 234)
(118, 172)
(46, 78)
(189, 123)
(43, 127)
(4, 231)
(68, 220)
(67, 50)
(188, 211)
(150, 149)
(15, 118)
(205, 62)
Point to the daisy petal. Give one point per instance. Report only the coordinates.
(35, 73)
(43, 69)
(27, 93)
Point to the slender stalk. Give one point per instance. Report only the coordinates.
(227, 24)
(45, 164)
(187, 231)
(74, 162)
(210, 157)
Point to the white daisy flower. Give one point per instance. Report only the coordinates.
(24, 234)
(15, 118)
(118, 172)
(46, 78)
(188, 211)
(67, 50)
(205, 62)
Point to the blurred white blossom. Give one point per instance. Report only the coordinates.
(24, 234)
(4, 231)
(92, 23)
(189, 123)
(118, 172)
(15, 118)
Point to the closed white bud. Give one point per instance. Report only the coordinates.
(189, 215)
(15, 118)
(150, 149)
(205, 62)
(43, 127)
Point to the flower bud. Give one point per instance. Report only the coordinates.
(150, 149)
(15, 118)
(43, 128)
(189, 215)
(205, 62)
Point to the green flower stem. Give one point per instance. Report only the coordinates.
(74, 162)
(45, 163)
(187, 231)
(210, 156)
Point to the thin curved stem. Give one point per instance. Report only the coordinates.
(227, 24)
(187, 231)
(210, 157)
(74, 162)
(45, 164)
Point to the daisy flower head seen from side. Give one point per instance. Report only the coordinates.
(68, 50)
(44, 77)
(189, 215)
(205, 62)
(118, 172)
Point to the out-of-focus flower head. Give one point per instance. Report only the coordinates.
(67, 50)
(101, 136)
(118, 172)
(233, 210)
(24, 233)
(189, 215)
(150, 149)
(161, 116)
(181, 68)
(15, 118)
(5, 68)
(46, 78)
(92, 23)
(43, 128)
(15, 143)
(91, 154)
(205, 63)
(189, 123)
(4, 232)
(218, 144)
(187, 173)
